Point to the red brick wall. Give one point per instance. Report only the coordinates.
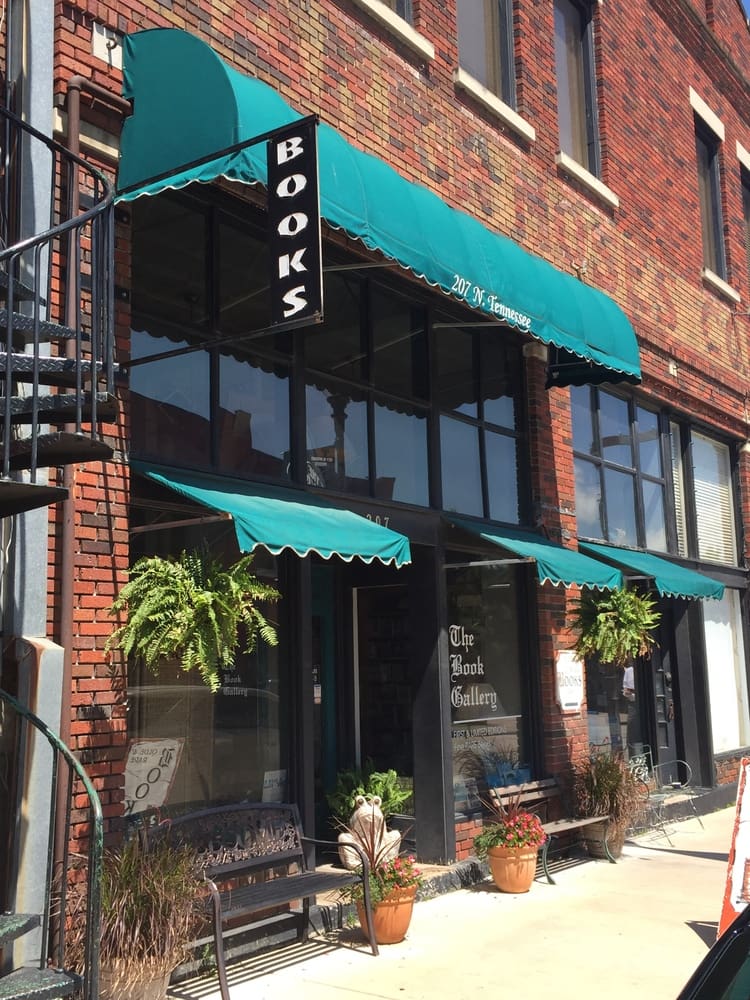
(329, 56)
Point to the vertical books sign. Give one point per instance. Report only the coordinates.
(294, 225)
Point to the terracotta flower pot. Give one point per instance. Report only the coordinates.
(512, 868)
(391, 916)
(116, 986)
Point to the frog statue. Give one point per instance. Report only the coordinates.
(367, 829)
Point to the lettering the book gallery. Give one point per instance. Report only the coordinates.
(469, 687)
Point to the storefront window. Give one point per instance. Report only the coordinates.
(489, 731)
(399, 345)
(170, 411)
(337, 456)
(462, 473)
(253, 419)
(621, 487)
(401, 456)
(727, 673)
(190, 747)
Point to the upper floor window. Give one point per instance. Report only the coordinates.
(621, 486)
(402, 8)
(576, 83)
(485, 45)
(746, 216)
(702, 472)
(709, 193)
(482, 472)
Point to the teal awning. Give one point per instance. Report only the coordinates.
(279, 518)
(189, 104)
(669, 579)
(554, 563)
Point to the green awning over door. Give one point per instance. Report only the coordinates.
(669, 579)
(189, 104)
(279, 518)
(554, 563)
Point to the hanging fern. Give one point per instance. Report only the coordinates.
(191, 608)
(616, 626)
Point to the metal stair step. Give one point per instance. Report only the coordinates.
(60, 408)
(38, 984)
(52, 371)
(21, 291)
(17, 497)
(58, 449)
(23, 328)
(15, 925)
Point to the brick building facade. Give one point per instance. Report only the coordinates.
(654, 75)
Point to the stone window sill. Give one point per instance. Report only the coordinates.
(464, 81)
(574, 169)
(398, 27)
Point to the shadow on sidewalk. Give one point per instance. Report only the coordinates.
(705, 929)
(253, 967)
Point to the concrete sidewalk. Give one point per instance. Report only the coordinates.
(632, 930)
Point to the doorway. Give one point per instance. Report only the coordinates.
(383, 695)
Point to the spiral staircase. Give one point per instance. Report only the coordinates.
(56, 391)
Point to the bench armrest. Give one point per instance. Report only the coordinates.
(334, 846)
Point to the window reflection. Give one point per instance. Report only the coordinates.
(170, 402)
(399, 345)
(455, 388)
(253, 418)
(614, 429)
(588, 500)
(401, 456)
(339, 346)
(461, 471)
(655, 516)
(501, 456)
(619, 488)
(336, 441)
(230, 744)
(649, 444)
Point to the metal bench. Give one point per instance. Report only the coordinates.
(535, 796)
(252, 856)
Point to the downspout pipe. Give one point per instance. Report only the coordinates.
(76, 86)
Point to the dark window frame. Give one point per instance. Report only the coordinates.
(595, 459)
(709, 196)
(745, 191)
(503, 51)
(590, 110)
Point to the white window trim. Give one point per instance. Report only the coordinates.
(574, 168)
(466, 82)
(743, 156)
(92, 138)
(711, 278)
(398, 27)
(707, 116)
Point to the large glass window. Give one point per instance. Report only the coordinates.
(401, 455)
(208, 748)
(488, 712)
(208, 398)
(714, 503)
(477, 384)
(576, 93)
(709, 192)
(727, 672)
(485, 45)
(621, 486)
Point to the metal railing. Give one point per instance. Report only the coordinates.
(60, 284)
(69, 784)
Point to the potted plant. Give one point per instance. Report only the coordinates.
(604, 785)
(354, 782)
(191, 608)
(152, 909)
(393, 882)
(616, 626)
(510, 843)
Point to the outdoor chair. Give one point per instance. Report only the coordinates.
(669, 783)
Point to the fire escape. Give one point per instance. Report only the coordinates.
(56, 392)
